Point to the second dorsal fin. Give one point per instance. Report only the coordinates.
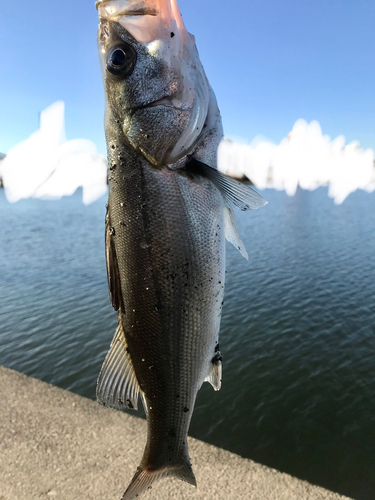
(117, 384)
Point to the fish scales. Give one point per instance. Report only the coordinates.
(169, 213)
(173, 251)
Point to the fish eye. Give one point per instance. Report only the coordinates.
(121, 59)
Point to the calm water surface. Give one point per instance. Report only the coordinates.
(298, 330)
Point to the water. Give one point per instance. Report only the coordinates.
(298, 331)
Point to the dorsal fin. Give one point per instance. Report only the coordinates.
(113, 273)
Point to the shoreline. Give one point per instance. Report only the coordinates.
(56, 444)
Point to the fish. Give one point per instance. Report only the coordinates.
(169, 212)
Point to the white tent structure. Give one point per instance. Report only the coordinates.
(48, 166)
(305, 158)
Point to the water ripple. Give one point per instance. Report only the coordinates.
(298, 329)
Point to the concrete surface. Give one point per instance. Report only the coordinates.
(57, 445)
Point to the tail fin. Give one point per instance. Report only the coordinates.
(144, 478)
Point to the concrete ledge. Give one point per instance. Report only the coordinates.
(55, 444)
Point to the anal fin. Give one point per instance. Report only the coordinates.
(117, 384)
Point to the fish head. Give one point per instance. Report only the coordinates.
(155, 85)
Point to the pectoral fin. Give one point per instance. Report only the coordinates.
(235, 193)
(117, 384)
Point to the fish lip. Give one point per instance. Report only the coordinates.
(164, 101)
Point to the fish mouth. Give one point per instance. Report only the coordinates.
(165, 101)
(168, 102)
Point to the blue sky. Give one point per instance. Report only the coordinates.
(269, 62)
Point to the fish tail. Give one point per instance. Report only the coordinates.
(146, 476)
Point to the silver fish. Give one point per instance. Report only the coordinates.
(169, 212)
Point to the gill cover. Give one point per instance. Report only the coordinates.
(158, 25)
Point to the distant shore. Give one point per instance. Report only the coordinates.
(2, 156)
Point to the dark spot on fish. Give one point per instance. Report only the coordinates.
(120, 401)
(113, 146)
(217, 358)
(172, 34)
(217, 347)
(113, 167)
(112, 231)
(177, 396)
(127, 349)
(186, 409)
(143, 205)
(130, 404)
